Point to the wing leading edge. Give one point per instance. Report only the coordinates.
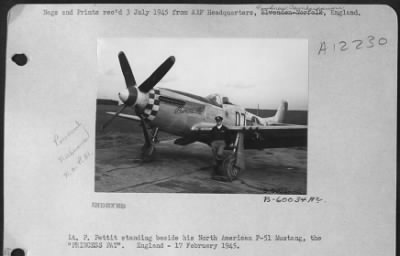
(125, 116)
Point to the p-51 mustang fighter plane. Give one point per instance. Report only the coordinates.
(191, 117)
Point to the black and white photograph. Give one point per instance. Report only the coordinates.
(200, 129)
(199, 115)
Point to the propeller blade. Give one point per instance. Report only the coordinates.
(157, 75)
(113, 117)
(126, 70)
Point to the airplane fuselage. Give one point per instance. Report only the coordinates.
(178, 112)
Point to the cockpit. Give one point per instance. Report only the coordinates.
(216, 99)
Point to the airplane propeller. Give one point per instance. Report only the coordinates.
(126, 70)
(157, 75)
(113, 117)
(130, 95)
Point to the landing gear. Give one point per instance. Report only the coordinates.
(149, 149)
(229, 168)
(148, 152)
(154, 137)
(234, 164)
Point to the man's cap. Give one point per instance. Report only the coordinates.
(218, 118)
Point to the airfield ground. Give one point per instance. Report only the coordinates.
(187, 169)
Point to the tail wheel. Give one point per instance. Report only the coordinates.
(230, 170)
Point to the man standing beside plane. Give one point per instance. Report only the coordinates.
(220, 137)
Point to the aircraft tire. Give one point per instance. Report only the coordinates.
(229, 169)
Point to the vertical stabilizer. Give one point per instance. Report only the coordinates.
(280, 114)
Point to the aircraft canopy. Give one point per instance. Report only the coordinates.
(218, 99)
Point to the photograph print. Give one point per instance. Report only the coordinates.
(202, 115)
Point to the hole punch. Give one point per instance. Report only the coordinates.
(18, 252)
(20, 59)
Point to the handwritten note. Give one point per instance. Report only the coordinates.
(367, 42)
(71, 150)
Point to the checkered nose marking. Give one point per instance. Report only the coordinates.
(153, 106)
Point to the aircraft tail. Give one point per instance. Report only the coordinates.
(280, 114)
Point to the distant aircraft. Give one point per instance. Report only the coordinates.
(191, 117)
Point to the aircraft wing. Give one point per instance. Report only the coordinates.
(125, 116)
(258, 137)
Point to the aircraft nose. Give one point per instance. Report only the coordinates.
(129, 96)
(124, 96)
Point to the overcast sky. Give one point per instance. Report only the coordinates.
(248, 71)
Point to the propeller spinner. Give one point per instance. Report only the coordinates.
(132, 93)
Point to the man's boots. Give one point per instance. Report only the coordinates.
(218, 173)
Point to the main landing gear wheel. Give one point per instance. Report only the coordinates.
(148, 152)
(230, 169)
